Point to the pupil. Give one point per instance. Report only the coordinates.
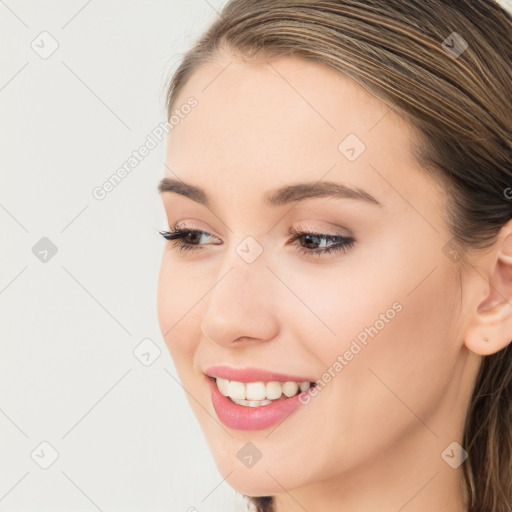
(309, 239)
(191, 235)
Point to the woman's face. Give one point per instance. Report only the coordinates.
(376, 324)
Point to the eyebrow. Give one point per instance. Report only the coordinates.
(278, 197)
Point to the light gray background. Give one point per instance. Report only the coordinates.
(125, 435)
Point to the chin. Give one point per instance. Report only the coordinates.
(254, 485)
(265, 478)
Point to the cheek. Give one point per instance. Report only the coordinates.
(177, 298)
(392, 324)
(397, 361)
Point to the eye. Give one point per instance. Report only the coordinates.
(185, 239)
(190, 240)
(324, 243)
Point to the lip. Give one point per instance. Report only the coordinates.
(251, 374)
(241, 417)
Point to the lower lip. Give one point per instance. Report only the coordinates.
(243, 417)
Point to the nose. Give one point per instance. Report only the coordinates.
(242, 306)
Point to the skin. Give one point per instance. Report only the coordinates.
(372, 438)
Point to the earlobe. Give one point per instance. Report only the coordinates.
(485, 346)
(491, 327)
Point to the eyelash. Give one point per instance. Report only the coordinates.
(177, 236)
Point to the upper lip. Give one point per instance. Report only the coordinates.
(250, 374)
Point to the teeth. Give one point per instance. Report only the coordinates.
(222, 384)
(290, 388)
(255, 390)
(252, 403)
(236, 390)
(273, 390)
(304, 386)
(254, 394)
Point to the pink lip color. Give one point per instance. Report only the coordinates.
(252, 375)
(243, 417)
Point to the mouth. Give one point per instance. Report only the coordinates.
(259, 393)
(256, 405)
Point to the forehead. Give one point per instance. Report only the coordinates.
(263, 124)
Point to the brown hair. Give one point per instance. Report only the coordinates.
(461, 106)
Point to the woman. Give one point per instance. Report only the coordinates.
(336, 290)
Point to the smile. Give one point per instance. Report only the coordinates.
(254, 399)
(256, 394)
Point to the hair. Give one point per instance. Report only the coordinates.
(460, 108)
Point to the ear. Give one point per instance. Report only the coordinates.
(490, 329)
